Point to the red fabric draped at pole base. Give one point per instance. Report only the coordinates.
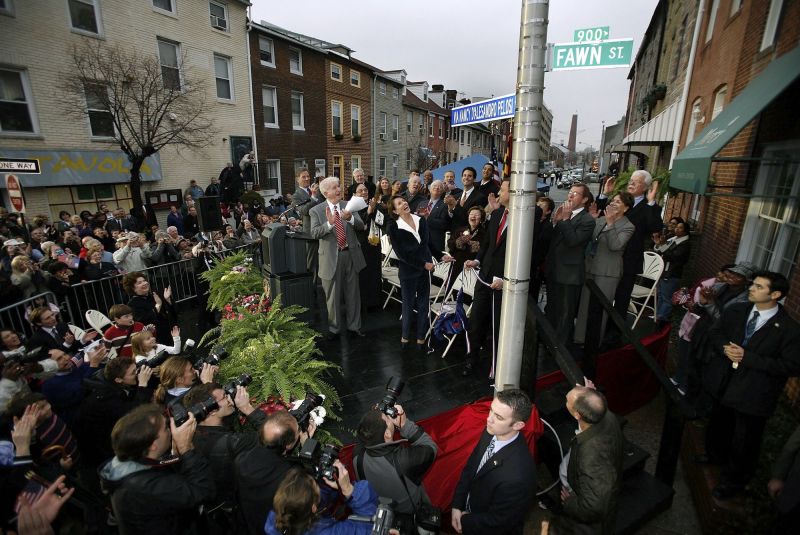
(456, 432)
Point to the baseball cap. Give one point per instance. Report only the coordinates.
(745, 269)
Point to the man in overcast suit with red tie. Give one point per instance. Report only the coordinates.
(340, 258)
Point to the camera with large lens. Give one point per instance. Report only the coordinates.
(200, 410)
(217, 355)
(303, 412)
(384, 517)
(393, 390)
(154, 361)
(318, 459)
(24, 356)
(243, 380)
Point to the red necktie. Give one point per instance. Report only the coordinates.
(500, 228)
(341, 240)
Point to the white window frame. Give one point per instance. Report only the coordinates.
(355, 162)
(224, 11)
(421, 124)
(171, 12)
(262, 39)
(408, 159)
(299, 69)
(712, 17)
(98, 19)
(339, 67)
(382, 87)
(274, 104)
(177, 59)
(229, 63)
(382, 166)
(8, 9)
(89, 118)
(302, 125)
(395, 166)
(357, 75)
(409, 121)
(786, 225)
(430, 125)
(771, 25)
(395, 128)
(277, 164)
(719, 101)
(395, 92)
(341, 118)
(300, 163)
(355, 116)
(382, 125)
(441, 128)
(27, 91)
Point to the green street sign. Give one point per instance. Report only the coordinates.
(589, 35)
(605, 55)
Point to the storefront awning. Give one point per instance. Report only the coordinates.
(631, 147)
(691, 167)
(659, 129)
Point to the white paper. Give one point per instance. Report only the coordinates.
(379, 218)
(355, 204)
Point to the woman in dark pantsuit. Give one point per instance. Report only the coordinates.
(409, 236)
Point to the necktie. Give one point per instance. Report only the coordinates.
(430, 206)
(501, 227)
(750, 328)
(308, 190)
(464, 196)
(341, 240)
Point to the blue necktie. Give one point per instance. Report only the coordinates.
(750, 328)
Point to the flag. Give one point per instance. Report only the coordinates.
(507, 157)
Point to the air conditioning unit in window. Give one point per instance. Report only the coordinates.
(382, 135)
(219, 23)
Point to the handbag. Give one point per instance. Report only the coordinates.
(374, 236)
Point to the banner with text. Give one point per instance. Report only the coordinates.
(485, 110)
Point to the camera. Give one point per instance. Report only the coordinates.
(383, 520)
(306, 410)
(155, 361)
(217, 355)
(26, 356)
(243, 380)
(319, 459)
(200, 410)
(393, 390)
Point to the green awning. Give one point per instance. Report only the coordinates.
(691, 167)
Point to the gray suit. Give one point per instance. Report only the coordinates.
(338, 270)
(604, 266)
(299, 197)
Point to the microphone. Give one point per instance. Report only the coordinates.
(292, 207)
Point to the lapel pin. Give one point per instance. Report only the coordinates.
(494, 463)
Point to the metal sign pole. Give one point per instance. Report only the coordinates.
(524, 174)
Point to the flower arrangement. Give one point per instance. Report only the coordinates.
(230, 279)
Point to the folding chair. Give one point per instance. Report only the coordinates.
(640, 296)
(389, 273)
(97, 320)
(465, 281)
(441, 272)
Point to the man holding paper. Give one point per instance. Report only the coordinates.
(340, 258)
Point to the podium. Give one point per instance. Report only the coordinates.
(284, 254)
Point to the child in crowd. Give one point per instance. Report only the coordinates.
(122, 329)
(144, 345)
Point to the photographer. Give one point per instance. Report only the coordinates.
(178, 375)
(148, 495)
(217, 441)
(260, 470)
(297, 508)
(394, 468)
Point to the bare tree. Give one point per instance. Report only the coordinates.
(421, 158)
(141, 103)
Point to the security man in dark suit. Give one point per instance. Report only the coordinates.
(498, 482)
(305, 197)
(755, 347)
(437, 218)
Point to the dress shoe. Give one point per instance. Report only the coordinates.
(467, 371)
(356, 334)
(725, 492)
(423, 347)
(404, 345)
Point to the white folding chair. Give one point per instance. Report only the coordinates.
(76, 331)
(641, 295)
(447, 242)
(466, 281)
(97, 320)
(389, 273)
(441, 272)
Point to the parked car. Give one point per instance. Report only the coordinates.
(592, 177)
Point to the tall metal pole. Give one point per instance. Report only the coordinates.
(524, 174)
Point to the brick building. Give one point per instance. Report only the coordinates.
(289, 104)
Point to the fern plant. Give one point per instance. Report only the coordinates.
(231, 278)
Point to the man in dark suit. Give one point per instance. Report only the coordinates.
(754, 347)
(488, 183)
(305, 197)
(413, 195)
(438, 218)
(646, 217)
(498, 482)
(490, 262)
(49, 333)
(542, 235)
(340, 258)
(450, 187)
(470, 196)
(572, 229)
(359, 177)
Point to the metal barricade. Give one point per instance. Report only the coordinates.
(16, 316)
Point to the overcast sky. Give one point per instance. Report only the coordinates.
(472, 46)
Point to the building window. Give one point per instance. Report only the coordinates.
(461, 137)
(695, 118)
(421, 124)
(168, 53)
(355, 78)
(382, 125)
(269, 103)
(336, 72)
(408, 159)
(395, 128)
(430, 126)
(771, 235)
(395, 93)
(337, 166)
(101, 123)
(736, 5)
(165, 5)
(223, 76)
(441, 128)
(84, 16)
(16, 109)
(355, 162)
(409, 121)
(771, 26)
(298, 116)
(74, 199)
(295, 61)
(382, 166)
(382, 88)
(712, 17)
(719, 101)
(272, 168)
(395, 165)
(336, 117)
(266, 51)
(219, 16)
(7, 7)
(469, 133)
(355, 120)
(300, 163)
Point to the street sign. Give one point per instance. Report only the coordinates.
(485, 110)
(605, 55)
(15, 193)
(15, 165)
(589, 35)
